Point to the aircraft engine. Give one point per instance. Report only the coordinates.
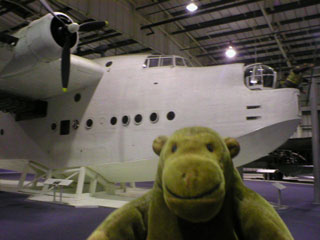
(41, 41)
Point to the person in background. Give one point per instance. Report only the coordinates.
(294, 79)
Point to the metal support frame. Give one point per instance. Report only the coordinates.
(284, 54)
(81, 178)
(83, 174)
(38, 170)
(23, 177)
(279, 198)
(279, 188)
(67, 174)
(123, 186)
(315, 137)
(93, 186)
(48, 175)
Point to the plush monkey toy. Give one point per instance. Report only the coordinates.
(197, 194)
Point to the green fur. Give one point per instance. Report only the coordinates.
(198, 194)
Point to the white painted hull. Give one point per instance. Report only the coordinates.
(253, 146)
(214, 97)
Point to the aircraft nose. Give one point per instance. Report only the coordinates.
(288, 103)
(277, 105)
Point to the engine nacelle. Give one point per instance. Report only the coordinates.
(41, 41)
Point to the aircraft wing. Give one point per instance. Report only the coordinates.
(43, 80)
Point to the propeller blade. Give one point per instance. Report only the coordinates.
(91, 26)
(49, 9)
(65, 63)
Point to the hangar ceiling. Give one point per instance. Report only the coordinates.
(280, 33)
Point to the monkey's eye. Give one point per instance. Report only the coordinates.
(210, 147)
(174, 148)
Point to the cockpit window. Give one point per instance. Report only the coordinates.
(153, 62)
(166, 61)
(162, 61)
(179, 61)
(258, 76)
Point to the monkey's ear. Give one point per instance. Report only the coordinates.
(158, 144)
(233, 146)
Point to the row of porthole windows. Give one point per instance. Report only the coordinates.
(154, 118)
(65, 124)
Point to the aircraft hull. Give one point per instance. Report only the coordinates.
(271, 137)
(214, 97)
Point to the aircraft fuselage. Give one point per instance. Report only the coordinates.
(117, 119)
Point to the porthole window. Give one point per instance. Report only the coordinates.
(77, 97)
(108, 64)
(171, 115)
(125, 120)
(113, 121)
(53, 126)
(138, 119)
(154, 117)
(2, 132)
(75, 124)
(89, 123)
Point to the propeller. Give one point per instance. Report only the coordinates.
(68, 29)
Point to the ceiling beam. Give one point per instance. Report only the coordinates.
(18, 7)
(108, 47)
(244, 45)
(189, 36)
(258, 27)
(204, 6)
(247, 15)
(198, 13)
(276, 57)
(150, 4)
(103, 37)
(276, 38)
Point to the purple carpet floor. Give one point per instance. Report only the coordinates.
(28, 220)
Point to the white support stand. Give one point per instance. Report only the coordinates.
(23, 177)
(48, 175)
(279, 187)
(85, 175)
(123, 186)
(96, 179)
(81, 178)
(93, 186)
(80, 175)
(57, 183)
(40, 172)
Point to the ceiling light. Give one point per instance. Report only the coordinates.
(191, 7)
(230, 53)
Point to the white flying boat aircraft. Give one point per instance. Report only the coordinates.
(116, 106)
